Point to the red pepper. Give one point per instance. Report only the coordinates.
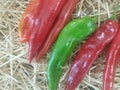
(48, 13)
(28, 20)
(61, 20)
(89, 52)
(112, 58)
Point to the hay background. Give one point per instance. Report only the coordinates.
(17, 74)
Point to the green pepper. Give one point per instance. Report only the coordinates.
(70, 36)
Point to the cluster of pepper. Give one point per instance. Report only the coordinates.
(41, 25)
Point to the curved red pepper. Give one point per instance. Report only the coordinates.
(50, 10)
(89, 52)
(112, 58)
(28, 20)
(61, 20)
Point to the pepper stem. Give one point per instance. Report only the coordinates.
(114, 16)
(94, 18)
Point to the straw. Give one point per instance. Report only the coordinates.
(15, 71)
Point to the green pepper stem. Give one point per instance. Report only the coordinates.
(95, 18)
(114, 16)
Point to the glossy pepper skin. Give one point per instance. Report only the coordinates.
(70, 36)
(111, 63)
(89, 52)
(62, 19)
(28, 20)
(46, 18)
